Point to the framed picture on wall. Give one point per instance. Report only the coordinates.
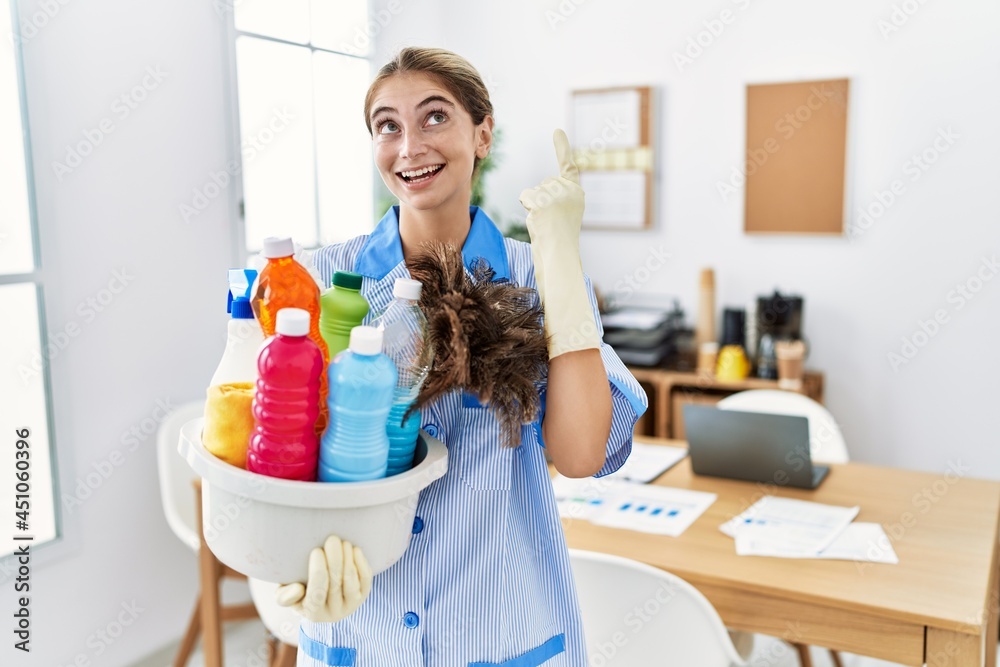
(612, 138)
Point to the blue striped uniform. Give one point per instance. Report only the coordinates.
(486, 579)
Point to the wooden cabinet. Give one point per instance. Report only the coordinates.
(669, 391)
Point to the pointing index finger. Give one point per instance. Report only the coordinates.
(564, 154)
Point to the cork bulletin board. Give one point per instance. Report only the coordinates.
(796, 156)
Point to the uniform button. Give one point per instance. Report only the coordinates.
(418, 525)
(411, 620)
(432, 430)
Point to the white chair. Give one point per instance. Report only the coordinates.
(281, 622)
(826, 443)
(180, 494)
(635, 614)
(177, 477)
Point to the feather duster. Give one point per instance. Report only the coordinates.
(487, 337)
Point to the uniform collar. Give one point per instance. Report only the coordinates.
(383, 251)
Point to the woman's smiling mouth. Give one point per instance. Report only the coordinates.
(420, 176)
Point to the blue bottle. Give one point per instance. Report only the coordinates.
(355, 446)
(404, 340)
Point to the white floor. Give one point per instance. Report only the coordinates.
(246, 646)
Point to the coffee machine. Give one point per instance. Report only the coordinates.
(778, 317)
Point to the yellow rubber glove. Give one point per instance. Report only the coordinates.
(339, 581)
(555, 214)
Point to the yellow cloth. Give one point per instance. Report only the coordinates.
(229, 421)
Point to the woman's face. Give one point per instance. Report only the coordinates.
(425, 142)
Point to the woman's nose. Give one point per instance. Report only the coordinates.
(412, 145)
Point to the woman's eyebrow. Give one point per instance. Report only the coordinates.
(436, 98)
(432, 98)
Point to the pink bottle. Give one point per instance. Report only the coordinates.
(286, 404)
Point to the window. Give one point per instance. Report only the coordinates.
(25, 410)
(302, 70)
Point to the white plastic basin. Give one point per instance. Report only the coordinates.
(265, 527)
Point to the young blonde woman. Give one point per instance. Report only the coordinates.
(486, 579)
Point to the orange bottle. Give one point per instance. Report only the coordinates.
(284, 283)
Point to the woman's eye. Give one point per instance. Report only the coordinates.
(387, 127)
(437, 118)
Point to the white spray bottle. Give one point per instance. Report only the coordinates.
(239, 361)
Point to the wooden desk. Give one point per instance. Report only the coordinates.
(668, 391)
(940, 601)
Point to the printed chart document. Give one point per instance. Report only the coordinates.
(619, 504)
(786, 527)
(647, 462)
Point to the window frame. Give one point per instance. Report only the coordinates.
(237, 205)
(35, 277)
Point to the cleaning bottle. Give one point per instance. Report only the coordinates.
(284, 283)
(285, 407)
(228, 416)
(355, 447)
(404, 335)
(341, 309)
(239, 360)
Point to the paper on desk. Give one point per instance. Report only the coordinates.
(581, 498)
(647, 462)
(654, 509)
(861, 541)
(618, 504)
(786, 527)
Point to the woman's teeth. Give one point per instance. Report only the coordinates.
(420, 174)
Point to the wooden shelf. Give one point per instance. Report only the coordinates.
(669, 391)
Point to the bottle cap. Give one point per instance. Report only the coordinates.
(241, 308)
(366, 340)
(347, 280)
(292, 322)
(278, 246)
(407, 288)
(240, 283)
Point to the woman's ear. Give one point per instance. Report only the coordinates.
(484, 137)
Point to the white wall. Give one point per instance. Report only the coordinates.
(939, 70)
(158, 339)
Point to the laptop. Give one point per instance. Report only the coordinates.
(752, 446)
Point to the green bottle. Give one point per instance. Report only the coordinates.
(341, 308)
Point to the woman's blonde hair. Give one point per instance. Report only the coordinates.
(454, 72)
